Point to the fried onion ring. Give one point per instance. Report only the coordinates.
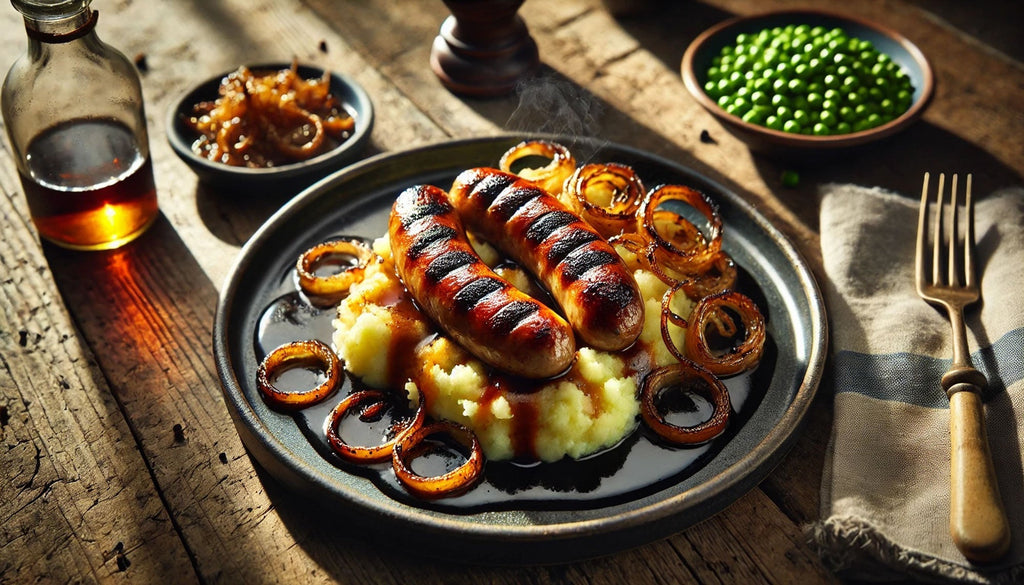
(375, 402)
(710, 312)
(696, 250)
(550, 177)
(299, 354)
(668, 316)
(607, 195)
(690, 376)
(452, 483)
(335, 284)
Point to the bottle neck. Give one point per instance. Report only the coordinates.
(61, 30)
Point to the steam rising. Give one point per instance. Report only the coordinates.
(555, 106)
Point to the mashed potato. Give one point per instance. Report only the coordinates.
(386, 342)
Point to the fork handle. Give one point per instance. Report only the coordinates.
(977, 520)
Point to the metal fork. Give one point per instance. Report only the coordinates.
(977, 519)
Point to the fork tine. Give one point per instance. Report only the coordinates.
(937, 241)
(922, 237)
(969, 236)
(952, 258)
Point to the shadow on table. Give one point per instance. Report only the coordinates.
(233, 216)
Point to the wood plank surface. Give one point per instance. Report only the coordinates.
(120, 463)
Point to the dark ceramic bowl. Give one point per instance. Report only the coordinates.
(777, 143)
(294, 176)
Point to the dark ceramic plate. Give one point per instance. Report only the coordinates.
(637, 492)
(294, 176)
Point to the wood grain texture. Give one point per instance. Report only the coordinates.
(119, 459)
(77, 502)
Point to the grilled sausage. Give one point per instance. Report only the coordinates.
(582, 271)
(492, 319)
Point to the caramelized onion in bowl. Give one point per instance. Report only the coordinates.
(269, 118)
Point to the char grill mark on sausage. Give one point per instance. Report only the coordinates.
(510, 200)
(579, 263)
(511, 315)
(541, 228)
(567, 244)
(421, 210)
(433, 234)
(447, 263)
(617, 294)
(471, 294)
(488, 186)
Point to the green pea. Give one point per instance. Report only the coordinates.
(820, 129)
(751, 117)
(773, 122)
(791, 126)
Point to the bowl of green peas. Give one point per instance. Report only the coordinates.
(806, 83)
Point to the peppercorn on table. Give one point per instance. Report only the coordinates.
(120, 460)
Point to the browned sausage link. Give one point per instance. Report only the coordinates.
(498, 323)
(582, 271)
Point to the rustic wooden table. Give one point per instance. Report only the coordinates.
(118, 460)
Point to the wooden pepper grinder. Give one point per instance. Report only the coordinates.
(484, 48)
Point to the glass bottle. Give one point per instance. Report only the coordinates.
(73, 109)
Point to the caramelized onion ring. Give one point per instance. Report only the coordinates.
(607, 195)
(449, 484)
(335, 284)
(701, 248)
(286, 143)
(691, 376)
(375, 399)
(669, 316)
(295, 354)
(550, 177)
(710, 311)
(719, 275)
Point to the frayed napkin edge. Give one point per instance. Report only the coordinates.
(852, 548)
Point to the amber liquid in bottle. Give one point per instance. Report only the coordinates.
(88, 186)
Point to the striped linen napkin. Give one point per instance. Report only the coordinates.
(885, 488)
